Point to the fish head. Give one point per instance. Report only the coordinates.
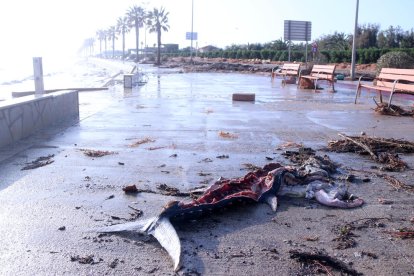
(332, 195)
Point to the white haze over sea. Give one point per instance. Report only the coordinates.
(16, 74)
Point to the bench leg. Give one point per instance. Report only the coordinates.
(357, 92)
(315, 83)
(333, 86)
(380, 96)
(389, 101)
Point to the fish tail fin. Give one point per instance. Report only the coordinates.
(140, 226)
(159, 227)
(166, 235)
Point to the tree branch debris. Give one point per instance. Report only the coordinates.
(382, 150)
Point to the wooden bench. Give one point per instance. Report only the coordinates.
(288, 69)
(390, 80)
(321, 72)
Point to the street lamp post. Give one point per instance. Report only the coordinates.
(354, 43)
(192, 25)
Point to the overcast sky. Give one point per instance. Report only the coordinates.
(41, 27)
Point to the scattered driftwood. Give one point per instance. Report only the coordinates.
(392, 110)
(221, 67)
(403, 233)
(397, 184)
(142, 141)
(171, 191)
(136, 214)
(250, 167)
(321, 260)
(96, 153)
(307, 159)
(227, 135)
(382, 150)
(39, 162)
(299, 156)
(307, 84)
(84, 260)
(131, 189)
(289, 144)
(385, 201)
(350, 144)
(114, 263)
(157, 148)
(345, 235)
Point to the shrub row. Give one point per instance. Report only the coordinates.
(364, 56)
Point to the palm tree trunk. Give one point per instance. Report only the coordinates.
(106, 48)
(137, 39)
(159, 46)
(123, 45)
(113, 46)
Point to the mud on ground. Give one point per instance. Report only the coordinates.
(47, 212)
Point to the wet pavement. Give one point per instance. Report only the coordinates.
(190, 122)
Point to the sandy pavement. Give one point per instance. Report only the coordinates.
(46, 213)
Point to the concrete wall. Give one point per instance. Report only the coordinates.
(23, 116)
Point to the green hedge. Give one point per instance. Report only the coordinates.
(364, 56)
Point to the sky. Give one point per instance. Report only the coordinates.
(53, 27)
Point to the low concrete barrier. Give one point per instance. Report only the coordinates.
(21, 117)
(246, 97)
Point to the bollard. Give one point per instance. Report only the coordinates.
(128, 80)
(38, 75)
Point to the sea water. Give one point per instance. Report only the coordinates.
(16, 74)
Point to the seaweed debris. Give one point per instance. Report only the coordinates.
(39, 162)
(307, 159)
(318, 260)
(345, 238)
(403, 233)
(96, 153)
(392, 110)
(382, 150)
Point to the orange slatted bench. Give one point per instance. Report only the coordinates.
(390, 80)
(288, 69)
(321, 72)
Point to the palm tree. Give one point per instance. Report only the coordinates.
(112, 36)
(87, 46)
(157, 22)
(136, 17)
(122, 28)
(336, 42)
(101, 34)
(106, 32)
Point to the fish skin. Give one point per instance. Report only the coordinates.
(323, 197)
(262, 185)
